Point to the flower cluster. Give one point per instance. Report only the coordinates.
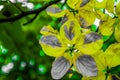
(75, 44)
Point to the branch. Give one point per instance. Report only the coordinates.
(31, 19)
(21, 15)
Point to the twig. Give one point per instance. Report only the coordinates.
(31, 19)
(21, 15)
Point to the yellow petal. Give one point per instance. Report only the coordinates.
(91, 48)
(86, 12)
(117, 9)
(52, 45)
(70, 31)
(92, 43)
(101, 65)
(107, 27)
(99, 77)
(88, 15)
(67, 16)
(110, 6)
(83, 23)
(112, 55)
(117, 32)
(80, 41)
(83, 4)
(75, 57)
(72, 3)
(55, 11)
(101, 4)
(86, 31)
(101, 15)
(47, 30)
(68, 57)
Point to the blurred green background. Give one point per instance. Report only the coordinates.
(21, 57)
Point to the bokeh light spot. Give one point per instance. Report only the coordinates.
(42, 69)
(42, 53)
(15, 57)
(7, 68)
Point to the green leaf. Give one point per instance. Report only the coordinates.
(108, 41)
(76, 76)
(94, 28)
(105, 38)
(115, 70)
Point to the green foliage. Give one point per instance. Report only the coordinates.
(19, 44)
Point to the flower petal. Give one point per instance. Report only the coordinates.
(110, 6)
(101, 4)
(52, 45)
(47, 30)
(117, 9)
(92, 37)
(72, 3)
(112, 55)
(84, 2)
(51, 41)
(88, 15)
(60, 67)
(91, 48)
(99, 58)
(55, 11)
(102, 16)
(101, 66)
(70, 31)
(99, 77)
(86, 66)
(92, 43)
(117, 32)
(66, 17)
(84, 24)
(107, 27)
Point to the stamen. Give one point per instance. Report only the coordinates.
(68, 45)
(71, 49)
(76, 50)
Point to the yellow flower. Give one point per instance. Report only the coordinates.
(71, 47)
(86, 11)
(109, 25)
(106, 60)
(107, 4)
(82, 10)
